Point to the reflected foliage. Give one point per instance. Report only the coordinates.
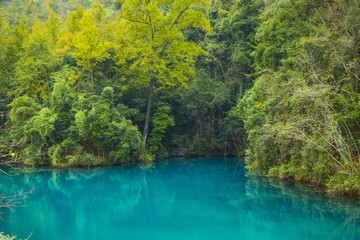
(167, 198)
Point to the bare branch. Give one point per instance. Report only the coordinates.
(15, 200)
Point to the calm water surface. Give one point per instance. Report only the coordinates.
(175, 199)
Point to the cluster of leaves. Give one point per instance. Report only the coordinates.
(78, 129)
(301, 116)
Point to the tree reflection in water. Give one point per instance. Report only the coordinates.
(176, 199)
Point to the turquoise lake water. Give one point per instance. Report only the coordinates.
(175, 199)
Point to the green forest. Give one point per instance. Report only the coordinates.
(90, 83)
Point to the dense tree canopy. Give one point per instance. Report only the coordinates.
(301, 116)
(106, 82)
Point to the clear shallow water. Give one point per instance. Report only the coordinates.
(176, 199)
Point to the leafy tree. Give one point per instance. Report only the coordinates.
(151, 39)
(53, 26)
(11, 48)
(89, 49)
(299, 117)
(62, 100)
(43, 124)
(35, 65)
(23, 109)
(223, 75)
(73, 19)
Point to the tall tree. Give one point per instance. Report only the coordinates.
(151, 40)
(89, 49)
(36, 63)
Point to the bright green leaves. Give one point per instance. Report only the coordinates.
(88, 46)
(63, 95)
(107, 95)
(89, 49)
(84, 41)
(99, 116)
(104, 129)
(22, 109)
(28, 57)
(80, 122)
(150, 33)
(55, 154)
(43, 123)
(125, 140)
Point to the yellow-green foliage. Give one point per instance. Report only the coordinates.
(67, 65)
(89, 49)
(152, 38)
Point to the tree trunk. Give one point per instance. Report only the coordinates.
(148, 110)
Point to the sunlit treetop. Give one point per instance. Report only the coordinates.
(151, 33)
